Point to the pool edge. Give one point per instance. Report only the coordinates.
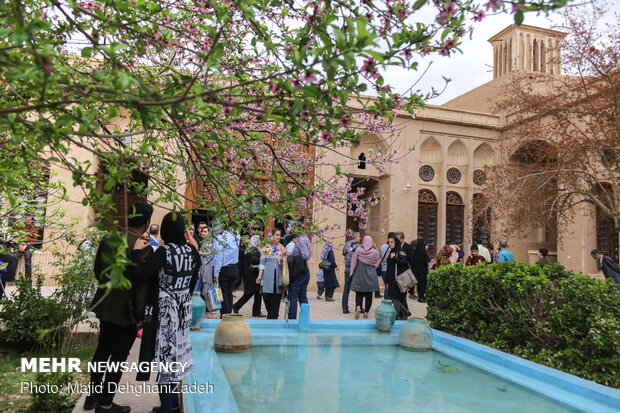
(564, 388)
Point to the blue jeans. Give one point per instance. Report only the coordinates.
(297, 292)
(345, 292)
(385, 289)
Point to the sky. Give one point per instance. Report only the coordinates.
(472, 67)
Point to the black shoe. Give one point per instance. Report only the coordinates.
(90, 403)
(260, 315)
(346, 312)
(114, 409)
(421, 300)
(329, 299)
(157, 409)
(413, 296)
(378, 295)
(235, 310)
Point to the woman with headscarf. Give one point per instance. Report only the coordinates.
(172, 273)
(250, 262)
(270, 273)
(329, 276)
(457, 254)
(444, 256)
(205, 279)
(397, 264)
(420, 267)
(364, 279)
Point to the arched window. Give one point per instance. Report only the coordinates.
(427, 218)
(455, 212)
(482, 219)
(361, 161)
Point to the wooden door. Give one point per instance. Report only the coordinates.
(427, 225)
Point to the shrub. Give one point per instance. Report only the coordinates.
(30, 319)
(27, 313)
(57, 402)
(548, 315)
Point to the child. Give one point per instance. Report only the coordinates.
(320, 284)
(474, 258)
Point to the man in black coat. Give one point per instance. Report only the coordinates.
(609, 266)
(120, 311)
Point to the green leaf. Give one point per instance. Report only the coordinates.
(519, 15)
(418, 4)
(87, 52)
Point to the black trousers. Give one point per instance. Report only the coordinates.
(227, 278)
(422, 280)
(359, 297)
(329, 292)
(114, 344)
(27, 254)
(244, 299)
(272, 303)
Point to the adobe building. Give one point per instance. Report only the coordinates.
(431, 191)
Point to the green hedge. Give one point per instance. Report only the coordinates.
(550, 316)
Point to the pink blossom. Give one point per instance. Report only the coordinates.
(345, 120)
(310, 78)
(448, 11)
(370, 68)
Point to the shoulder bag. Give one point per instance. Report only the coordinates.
(406, 279)
(381, 262)
(325, 265)
(285, 273)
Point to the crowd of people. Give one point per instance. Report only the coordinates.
(188, 260)
(163, 278)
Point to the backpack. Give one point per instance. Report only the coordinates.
(347, 260)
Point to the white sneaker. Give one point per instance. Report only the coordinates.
(318, 297)
(358, 310)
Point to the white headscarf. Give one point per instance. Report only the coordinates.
(254, 242)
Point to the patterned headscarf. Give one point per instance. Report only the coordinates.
(254, 242)
(326, 249)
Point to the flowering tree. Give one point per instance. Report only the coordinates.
(226, 92)
(563, 137)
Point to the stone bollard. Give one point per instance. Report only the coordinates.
(304, 317)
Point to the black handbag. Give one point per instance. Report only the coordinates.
(381, 262)
(325, 265)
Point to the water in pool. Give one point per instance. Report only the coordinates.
(335, 378)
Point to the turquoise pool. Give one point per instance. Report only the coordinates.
(348, 366)
(368, 379)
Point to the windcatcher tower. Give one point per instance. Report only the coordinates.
(527, 48)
